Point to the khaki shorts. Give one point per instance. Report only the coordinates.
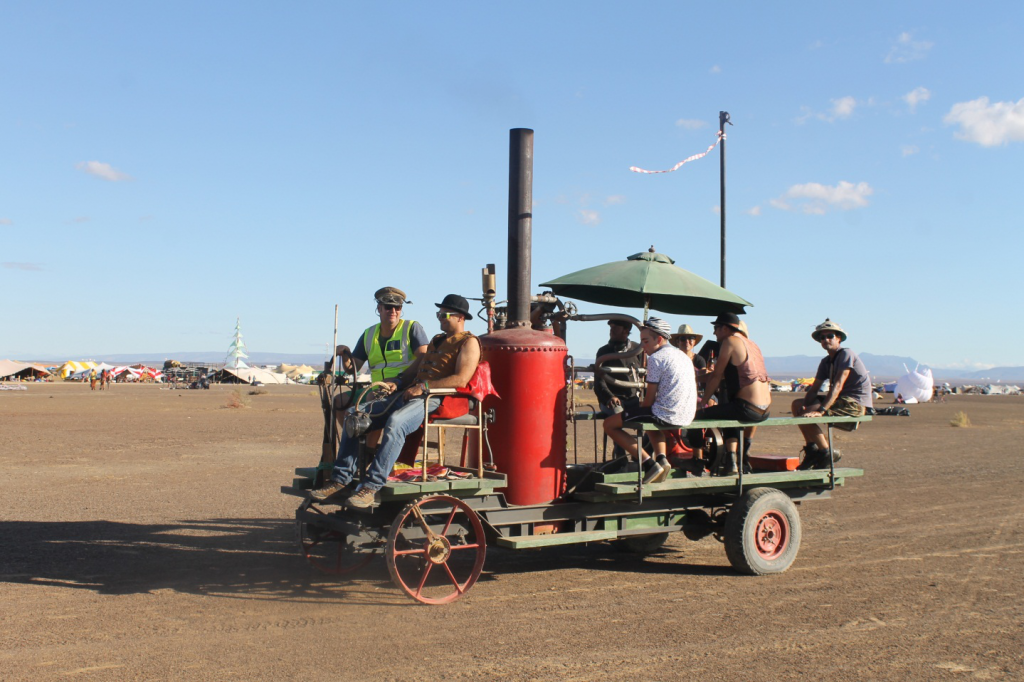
(844, 407)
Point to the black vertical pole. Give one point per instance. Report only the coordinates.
(520, 225)
(723, 118)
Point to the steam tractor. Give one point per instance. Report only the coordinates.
(515, 488)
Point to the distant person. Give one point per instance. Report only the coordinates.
(670, 400)
(741, 366)
(450, 362)
(849, 394)
(92, 380)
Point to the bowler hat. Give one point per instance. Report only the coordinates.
(728, 320)
(457, 304)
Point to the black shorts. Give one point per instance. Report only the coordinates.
(637, 414)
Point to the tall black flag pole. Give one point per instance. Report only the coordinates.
(723, 118)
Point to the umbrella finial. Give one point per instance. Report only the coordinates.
(651, 250)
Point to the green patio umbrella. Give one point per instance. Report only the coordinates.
(648, 280)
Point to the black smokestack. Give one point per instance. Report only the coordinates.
(520, 225)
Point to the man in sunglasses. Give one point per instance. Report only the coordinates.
(390, 345)
(849, 394)
(449, 362)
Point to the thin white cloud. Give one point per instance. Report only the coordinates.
(80, 219)
(691, 123)
(103, 170)
(816, 199)
(816, 45)
(754, 211)
(907, 49)
(35, 267)
(916, 96)
(715, 69)
(615, 200)
(6, 221)
(990, 125)
(909, 150)
(588, 216)
(843, 107)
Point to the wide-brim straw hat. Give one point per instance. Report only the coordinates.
(828, 326)
(686, 331)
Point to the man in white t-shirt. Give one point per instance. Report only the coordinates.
(670, 400)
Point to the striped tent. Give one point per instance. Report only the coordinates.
(73, 367)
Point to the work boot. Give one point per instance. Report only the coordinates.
(811, 456)
(822, 461)
(333, 492)
(362, 499)
(725, 464)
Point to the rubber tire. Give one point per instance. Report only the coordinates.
(740, 527)
(641, 544)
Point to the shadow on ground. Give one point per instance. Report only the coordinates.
(252, 558)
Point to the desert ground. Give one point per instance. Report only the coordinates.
(144, 537)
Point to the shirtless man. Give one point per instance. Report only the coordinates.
(741, 366)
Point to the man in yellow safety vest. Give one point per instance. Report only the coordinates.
(390, 346)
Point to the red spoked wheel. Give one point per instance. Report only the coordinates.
(436, 549)
(771, 535)
(327, 550)
(762, 532)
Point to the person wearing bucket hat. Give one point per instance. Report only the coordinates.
(450, 361)
(741, 366)
(849, 394)
(670, 399)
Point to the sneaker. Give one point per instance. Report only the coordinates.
(666, 467)
(652, 470)
(332, 491)
(363, 499)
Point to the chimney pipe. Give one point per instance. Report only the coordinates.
(520, 225)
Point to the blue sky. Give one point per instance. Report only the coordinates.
(166, 168)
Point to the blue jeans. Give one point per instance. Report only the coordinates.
(399, 419)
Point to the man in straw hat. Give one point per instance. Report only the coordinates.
(741, 366)
(670, 399)
(849, 394)
(450, 361)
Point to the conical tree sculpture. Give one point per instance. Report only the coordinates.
(236, 351)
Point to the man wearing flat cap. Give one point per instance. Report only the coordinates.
(849, 394)
(390, 345)
(449, 362)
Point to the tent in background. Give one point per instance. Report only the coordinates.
(247, 374)
(71, 367)
(15, 369)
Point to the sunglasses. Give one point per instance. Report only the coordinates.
(448, 316)
(827, 337)
(388, 306)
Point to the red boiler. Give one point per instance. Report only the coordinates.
(528, 434)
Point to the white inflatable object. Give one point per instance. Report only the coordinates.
(916, 386)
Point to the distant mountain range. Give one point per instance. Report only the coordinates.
(882, 367)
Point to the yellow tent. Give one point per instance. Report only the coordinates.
(70, 367)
